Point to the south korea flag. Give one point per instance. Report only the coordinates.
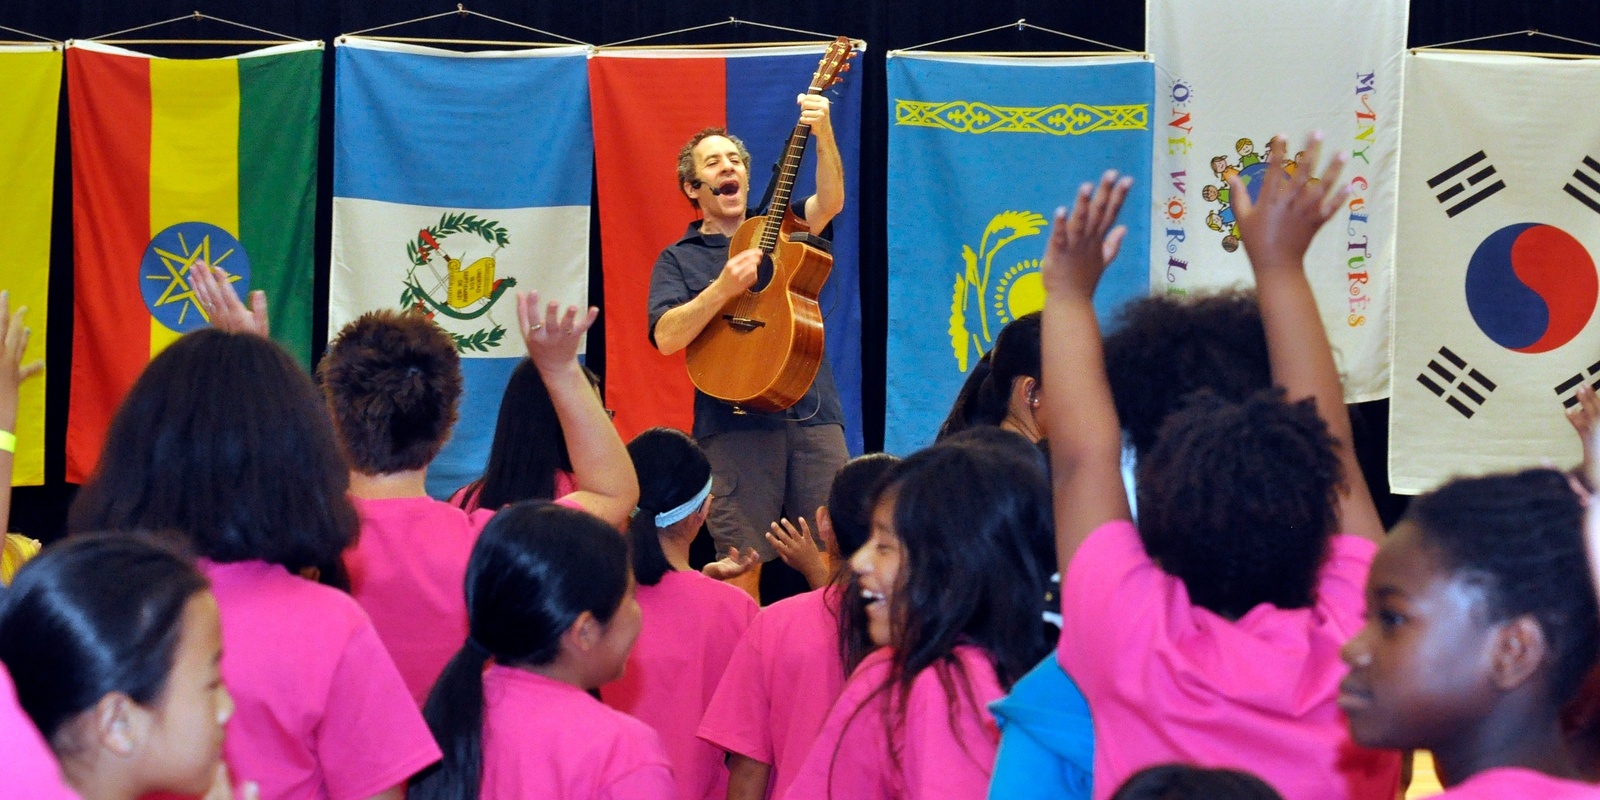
(1495, 281)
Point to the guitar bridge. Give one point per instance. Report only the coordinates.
(743, 324)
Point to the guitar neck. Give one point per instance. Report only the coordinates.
(789, 167)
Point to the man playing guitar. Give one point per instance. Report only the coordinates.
(763, 464)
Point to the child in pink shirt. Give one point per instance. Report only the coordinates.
(528, 459)
(552, 615)
(691, 622)
(392, 382)
(113, 642)
(31, 769)
(224, 445)
(1480, 627)
(787, 671)
(954, 590)
(1210, 633)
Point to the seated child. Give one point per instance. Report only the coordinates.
(1481, 625)
(954, 593)
(392, 381)
(528, 459)
(1231, 597)
(692, 622)
(552, 615)
(119, 675)
(224, 446)
(787, 670)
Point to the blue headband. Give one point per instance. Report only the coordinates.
(681, 513)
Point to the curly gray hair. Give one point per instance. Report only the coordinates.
(686, 156)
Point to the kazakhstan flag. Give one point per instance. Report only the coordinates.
(981, 152)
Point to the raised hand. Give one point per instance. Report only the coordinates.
(221, 304)
(14, 337)
(1084, 242)
(553, 337)
(1278, 226)
(732, 565)
(799, 550)
(814, 111)
(1585, 419)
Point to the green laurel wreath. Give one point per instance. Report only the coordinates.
(482, 341)
(491, 231)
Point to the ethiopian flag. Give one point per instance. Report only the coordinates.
(30, 88)
(173, 161)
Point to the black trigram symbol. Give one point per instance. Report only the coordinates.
(1567, 389)
(1478, 173)
(1452, 380)
(1589, 193)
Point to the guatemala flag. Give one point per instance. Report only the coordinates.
(982, 150)
(460, 179)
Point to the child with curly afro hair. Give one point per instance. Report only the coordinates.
(1210, 633)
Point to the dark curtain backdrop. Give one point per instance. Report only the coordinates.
(885, 24)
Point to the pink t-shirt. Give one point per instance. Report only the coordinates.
(30, 769)
(320, 710)
(406, 571)
(1168, 681)
(690, 626)
(780, 683)
(947, 743)
(1516, 783)
(547, 739)
(565, 485)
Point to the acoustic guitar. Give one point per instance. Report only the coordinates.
(762, 349)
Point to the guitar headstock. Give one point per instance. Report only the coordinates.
(834, 64)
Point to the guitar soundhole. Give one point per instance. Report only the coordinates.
(763, 274)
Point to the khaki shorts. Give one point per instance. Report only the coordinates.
(760, 476)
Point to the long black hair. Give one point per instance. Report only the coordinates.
(534, 570)
(967, 518)
(1520, 537)
(92, 615)
(672, 470)
(986, 395)
(225, 444)
(529, 446)
(850, 510)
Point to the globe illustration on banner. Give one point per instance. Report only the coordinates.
(1531, 287)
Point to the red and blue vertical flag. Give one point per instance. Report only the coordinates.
(646, 104)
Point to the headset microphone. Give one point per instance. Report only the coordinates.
(716, 190)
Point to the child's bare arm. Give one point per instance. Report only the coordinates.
(607, 486)
(1277, 229)
(1085, 437)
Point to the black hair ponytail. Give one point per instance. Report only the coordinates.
(986, 395)
(672, 471)
(535, 569)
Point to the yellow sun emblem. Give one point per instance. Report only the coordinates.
(986, 297)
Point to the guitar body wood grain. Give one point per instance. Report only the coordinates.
(762, 350)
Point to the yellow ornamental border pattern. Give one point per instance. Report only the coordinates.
(1061, 119)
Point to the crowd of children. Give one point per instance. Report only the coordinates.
(1096, 584)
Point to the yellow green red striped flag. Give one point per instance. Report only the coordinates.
(176, 160)
(30, 89)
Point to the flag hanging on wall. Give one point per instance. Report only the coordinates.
(30, 88)
(981, 153)
(1234, 73)
(647, 103)
(460, 179)
(1495, 281)
(175, 160)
